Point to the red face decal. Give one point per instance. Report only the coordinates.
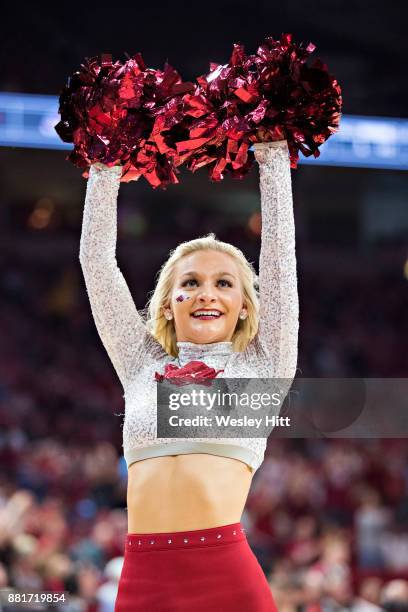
(182, 297)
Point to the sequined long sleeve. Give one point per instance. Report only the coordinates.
(120, 326)
(279, 307)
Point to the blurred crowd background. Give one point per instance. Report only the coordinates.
(327, 519)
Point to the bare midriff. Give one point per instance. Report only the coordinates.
(186, 492)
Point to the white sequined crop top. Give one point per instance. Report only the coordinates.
(136, 355)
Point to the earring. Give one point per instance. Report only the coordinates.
(242, 315)
(168, 316)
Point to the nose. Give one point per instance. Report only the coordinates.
(206, 295)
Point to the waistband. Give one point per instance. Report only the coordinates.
(214, 536)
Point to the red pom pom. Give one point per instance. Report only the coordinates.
(108, 111)
(272, 95)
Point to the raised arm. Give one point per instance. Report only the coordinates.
(279, 307)
(120, 327)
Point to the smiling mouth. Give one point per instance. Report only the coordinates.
(207, 317)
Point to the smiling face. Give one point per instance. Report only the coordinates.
(206, 280)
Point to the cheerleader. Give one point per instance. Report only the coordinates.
(186, 548)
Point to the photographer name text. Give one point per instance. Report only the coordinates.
(228, 421)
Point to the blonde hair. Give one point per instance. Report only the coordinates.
(164, 331)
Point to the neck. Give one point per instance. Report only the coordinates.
(191, 351)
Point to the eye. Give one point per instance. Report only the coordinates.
(190, 280)
(223, 280)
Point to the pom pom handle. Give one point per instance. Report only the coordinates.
(267, 152)
(269, 145)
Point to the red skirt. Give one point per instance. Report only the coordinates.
(202, 570)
